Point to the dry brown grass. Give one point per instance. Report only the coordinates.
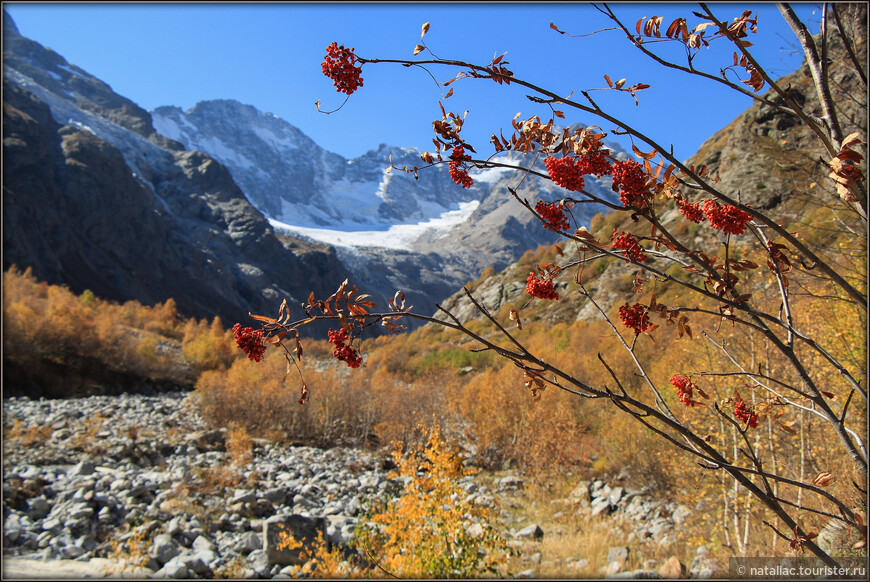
(27, 436)
(571, 535)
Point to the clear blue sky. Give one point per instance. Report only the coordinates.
(269, 55)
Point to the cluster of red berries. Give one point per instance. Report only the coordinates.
(743, 412)
(728, 219)
(625, 241)
(457, 173)
(597, 164)
(630, 178)
(342, 350)
(685, 390)
(250, 341)
(635, 317)
(553, 215)
(565, 172)
(340, 66)
(540, 289)
(691, 211)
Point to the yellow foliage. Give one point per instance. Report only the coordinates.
(430, 530)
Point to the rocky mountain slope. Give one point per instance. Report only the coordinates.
(291, 179)
(424, 235)
(95, 199)
(225, 208)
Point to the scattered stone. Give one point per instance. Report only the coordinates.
(617, 559)
(303, 529)
(164, 548)
(581, 492)
(510, 483)
(533, 531)
(83, 467)
(673, 568)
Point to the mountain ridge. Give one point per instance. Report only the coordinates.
(95, 199)
(219, 178)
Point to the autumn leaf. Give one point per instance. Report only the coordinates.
(263, 318)
(419, 49)
(823, 479)
(788, 427)
(298, 349)
(516, 317)
(640, 154)
(425, 30)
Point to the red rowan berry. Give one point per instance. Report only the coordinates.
(540, 289)
(343, 351)
(597, 164)
(457, 173)
(553, 215)
(685, 390)
(635, 317)
(691, 211)
(250, 341)
(340, 66)
(565, 173)
(630, 178)
(743, 412)
(626, 242)
(728, 219)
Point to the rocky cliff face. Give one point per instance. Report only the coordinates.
(95, 199)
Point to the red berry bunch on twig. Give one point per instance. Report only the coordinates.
(250, 341)
(691, 211)
(630, 178)
(340, 66)
(685, 390)
(626, 242)
(542, 289)
(743, 412)
(635, 317)
(343, 351)
(728, 219)
(597, 164)
(457, 173)
(565, 172)
(553, 215)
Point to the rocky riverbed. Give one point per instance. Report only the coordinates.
(83, 475)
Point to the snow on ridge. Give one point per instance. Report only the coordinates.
(221, 152)
(397, 236)
(69, 69)
(166, 126)
(271, 138)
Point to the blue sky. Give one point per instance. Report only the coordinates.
(268, 55)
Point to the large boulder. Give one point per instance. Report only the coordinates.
(281, 530)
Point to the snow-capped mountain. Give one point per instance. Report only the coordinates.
(389, 222)
(224, 207)
(294, 181)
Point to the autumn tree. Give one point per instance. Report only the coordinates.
(738, 277)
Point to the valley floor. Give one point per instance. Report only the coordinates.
(82, 475)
